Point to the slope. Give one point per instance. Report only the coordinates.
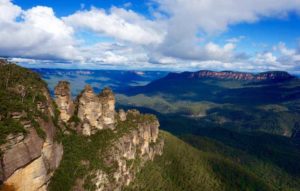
(213, 166)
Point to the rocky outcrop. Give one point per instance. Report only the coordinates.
(96, 112)
(29, 160)
(90, 111)
(122, 115)
(35, 173)
(230, 75)
(132, 140)
(30, 153)
(64, 100)
(128, 154)
(19, 151)
(108, 101)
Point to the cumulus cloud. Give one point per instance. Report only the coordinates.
(189, 21)
(266, 58)
(278, 58)
(8, 11)
(114, 53)
(288, 56)
(118, 23)
(204, 16)
(178, 35)
(34, 33)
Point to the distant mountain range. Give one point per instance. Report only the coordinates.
(231, 75)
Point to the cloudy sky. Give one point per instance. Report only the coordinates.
(243, 35)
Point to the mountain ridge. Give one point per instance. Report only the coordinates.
(232, 75)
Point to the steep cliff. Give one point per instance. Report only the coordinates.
(96, 111)
(107, 148)
(73, 145)
(29, 152)
(109, 159)
(64, 100)
(127, 154)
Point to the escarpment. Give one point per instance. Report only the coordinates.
(127, 154)
(231, 75)
(29, 152)
(43, 140)
(118, 143)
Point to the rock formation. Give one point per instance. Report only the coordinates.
(122, 115)
(30, 156)
(133, 139)
(108, 101)
(28, 160)
(64, 100)
(96, 111)
(127, 155)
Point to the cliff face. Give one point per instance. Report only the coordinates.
(128, 154)
(29, 152)
(275, 75)
(29, 164)
(119, 143)
(136, 141)
(64, 100)
(113, 148)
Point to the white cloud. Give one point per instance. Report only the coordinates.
(266, 58)
(114, 54)
(284, 50)
(177, 36)
(288, 56)
(37, 33)
(217, 15)
(118, 23)
(235, 39)
(127, 5)
(188, 20)
(8, 11)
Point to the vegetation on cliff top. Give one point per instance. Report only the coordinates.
(84, 155)
(20, 91)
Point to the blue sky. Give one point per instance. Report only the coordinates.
(65, 8)
(248, 35)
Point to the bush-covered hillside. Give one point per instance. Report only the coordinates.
(20, 92)
(214, 166)
(83, 155)
(268, 106)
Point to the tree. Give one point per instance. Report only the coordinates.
(22, 91)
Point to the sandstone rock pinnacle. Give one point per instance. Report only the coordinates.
(96, 112)
(108, 104)
(64, 100)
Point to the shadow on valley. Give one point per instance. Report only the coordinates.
(225, 91)
(229, 141)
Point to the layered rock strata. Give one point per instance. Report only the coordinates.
(129, 153)
(96, 112)
(64, 100)
(28, 160)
